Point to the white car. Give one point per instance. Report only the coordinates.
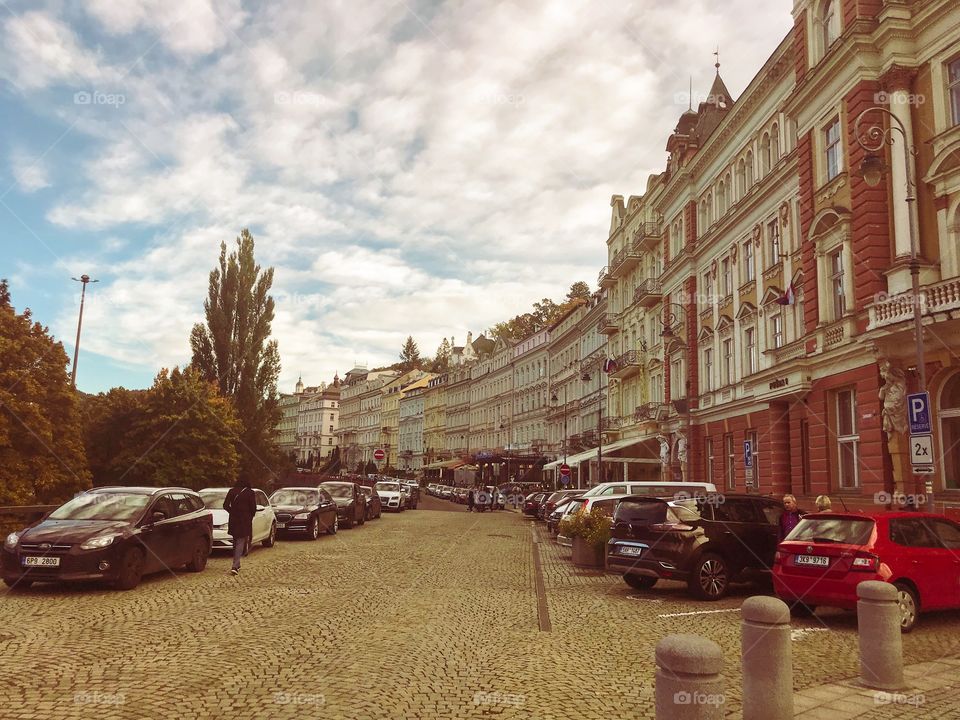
(606, 503)
(676, 490)
(264, 522)
(392, 496)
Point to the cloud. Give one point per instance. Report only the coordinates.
(39, 50)
(29, 172)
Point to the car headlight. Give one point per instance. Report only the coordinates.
(301, 516)
(98, 542)
(11, 542)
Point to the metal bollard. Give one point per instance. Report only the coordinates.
(688, 681)
(766, 659)
(881, 644)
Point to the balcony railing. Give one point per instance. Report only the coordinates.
(607, 324)
(605, 279)
(611, 423)
(648, 293)
(628, 364)
(647, 236)
(941, 297)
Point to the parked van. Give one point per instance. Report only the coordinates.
(666, 490)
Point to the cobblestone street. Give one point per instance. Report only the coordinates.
(425, 614)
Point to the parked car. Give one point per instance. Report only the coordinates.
(665, 490)
(374, 506)
(391, 496)
(114, 534)
(550, 502)
(350, 500)
(532, 503)
(308, 510)
(264, 522)
(709, 541)
(460, 495)
(827, 555)
(413, 495)
(432, 489)
(561, 507)
(446, 492)
(607, 505)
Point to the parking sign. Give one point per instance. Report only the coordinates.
(747, 454)
(918, 413)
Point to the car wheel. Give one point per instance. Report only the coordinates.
(315, 529)
(640, 582)
(909, 607)
(130, 571)
(710, 578)
(332, 530)
(200, 554)
(18, 584)
(349, 523)
(272, 537)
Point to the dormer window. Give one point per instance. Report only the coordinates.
(953, 84)
(830, 23)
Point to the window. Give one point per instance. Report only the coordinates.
(676, 379)
(776, 331)
(708, 454)
(735, 511)
(741, 179)
(750, 351)
(765, 154)
(749, 170)
(836, 284)
(748, 261)
(830, 20)
(773, 234)
(707, 290)
(953, 86)
(702, 220)
(656, 388)
(950, 432)
(727, 361)
(730, 459)
(831, 137)
(707, 369)
(775, 144)
(847, 440)
(755, 454)
(727, 276)
(721, 198)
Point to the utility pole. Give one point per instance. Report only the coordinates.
(83, 279)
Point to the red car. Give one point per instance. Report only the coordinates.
(827, 555)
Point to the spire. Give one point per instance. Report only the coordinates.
(717, 63)
(690, 96)
(299, 388)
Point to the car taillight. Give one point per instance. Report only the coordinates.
(669, 527)
(865, 562)
(777, 558)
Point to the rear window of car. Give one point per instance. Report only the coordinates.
(851, 531)
(641, 511)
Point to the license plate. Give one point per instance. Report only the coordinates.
(41, 562)
(281, 526)
(630, 550)
(817, 560)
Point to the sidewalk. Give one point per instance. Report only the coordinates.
(932, 691)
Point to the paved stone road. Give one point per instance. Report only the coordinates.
(418, 615)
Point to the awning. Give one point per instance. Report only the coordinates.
(591, 454)
(444, 465)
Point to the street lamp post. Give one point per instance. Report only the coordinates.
(506, 451)
(872, 168)
(83, 279)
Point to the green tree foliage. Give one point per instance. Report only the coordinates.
(544, 313)
(441, 360)
(42, 459)
(579, 291)
(179, 432)
(410, 356)
(234, 351)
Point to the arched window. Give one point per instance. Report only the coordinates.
(775, 143)
(950, 431)
(728, 185)
(749, 164)
(721, 199)
(830, 23)
(702, 217)
(765, 154)
(709, 208)
(741, 179)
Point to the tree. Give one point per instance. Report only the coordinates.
(179, 432)
(42, 459)
(107, 418)
(441, 360)
(579, 291)
(234, 351)
(410, 356)
(543, 313)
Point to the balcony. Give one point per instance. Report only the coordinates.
(605, 279)
(610, 423)
(941, 297)
(647, 237)
(607, 324)
(628, 365)
(648, 293)
(615, 263)
(649, 411)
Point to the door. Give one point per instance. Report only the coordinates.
(159, 536)
(263, 519)
(735, 528)
(767, 534)
(924, 560)
(328, 510)
(947, 561)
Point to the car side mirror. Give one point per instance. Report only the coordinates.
(261, 508)
(157, 516)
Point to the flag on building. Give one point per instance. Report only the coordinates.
(789, 297)
(609, 366)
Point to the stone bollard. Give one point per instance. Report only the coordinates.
(688, 681)
(767, 660)
(881, 644)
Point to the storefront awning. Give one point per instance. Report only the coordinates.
(588, 455)
(444, 465)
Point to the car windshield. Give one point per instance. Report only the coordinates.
(102, 506)
(213, 499)
(851, 531)
(388, 487)
(338, 489)
(366, 491)
(294, 496)
(645, 512)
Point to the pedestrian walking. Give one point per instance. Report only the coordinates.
(241, 504)
(790, 517)
(470, 500)
(823, 503)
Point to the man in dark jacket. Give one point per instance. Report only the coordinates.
(241, 504)
(470, 497)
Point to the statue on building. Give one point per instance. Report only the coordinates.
(664, 450)
(893, 398)
(681, 447)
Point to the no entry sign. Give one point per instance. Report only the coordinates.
(379, 454)
(565, 470)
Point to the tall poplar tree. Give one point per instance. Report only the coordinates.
(233, 349)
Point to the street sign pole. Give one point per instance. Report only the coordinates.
(921, 442)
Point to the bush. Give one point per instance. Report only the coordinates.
(592, 527)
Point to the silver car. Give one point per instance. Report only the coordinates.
(264, 522)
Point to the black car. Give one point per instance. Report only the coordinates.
(549, 504)
(305, 510)
(351, 502)
(532, 503)
(116, 534)
(374, 507)
(707, 541)
(413, 495)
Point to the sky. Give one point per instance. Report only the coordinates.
(408, 168)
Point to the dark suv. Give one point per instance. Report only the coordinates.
(351, 502)
(707, 541)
